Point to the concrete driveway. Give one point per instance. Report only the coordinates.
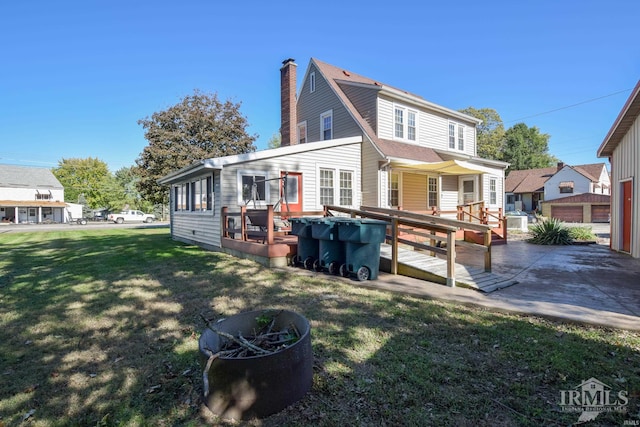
(581, 283)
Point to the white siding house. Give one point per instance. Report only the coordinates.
(30, 195)
(622, 147)
(355, 142)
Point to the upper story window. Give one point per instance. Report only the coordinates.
(456, 136)
(326, 125)
(312, 82)
(302, 132)
(566, 186)
(404, 123)
(44, 196)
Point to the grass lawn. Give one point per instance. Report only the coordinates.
(100, 328)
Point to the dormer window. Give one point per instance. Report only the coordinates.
(312, 82)
(404, 123)
(456, 136)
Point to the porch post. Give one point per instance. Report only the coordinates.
(269, 224)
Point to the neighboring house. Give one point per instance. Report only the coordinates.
(525, 188)
(30, 195)
(622, 147)
(569, 193)
(347, 140)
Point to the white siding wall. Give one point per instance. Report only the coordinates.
(433, 127)
(625, 165)
(29, 194)
(346, 157)
(581, 184)
(199, 227)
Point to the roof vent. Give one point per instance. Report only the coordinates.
(346, 73)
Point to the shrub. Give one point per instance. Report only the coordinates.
(582, 233)
(550, 232)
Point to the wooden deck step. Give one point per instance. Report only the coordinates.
(423, 266)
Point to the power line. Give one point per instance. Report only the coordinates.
(571, 106)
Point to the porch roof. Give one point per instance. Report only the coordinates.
(32, 203)
(447, 167)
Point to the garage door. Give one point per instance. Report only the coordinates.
(600, 213)
(567, 213)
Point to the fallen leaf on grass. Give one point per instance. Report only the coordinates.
(153, 389)
(28, 414)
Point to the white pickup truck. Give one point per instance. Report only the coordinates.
(131, 216)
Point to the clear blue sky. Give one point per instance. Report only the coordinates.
(76, 76)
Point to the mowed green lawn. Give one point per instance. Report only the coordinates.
(100, 328)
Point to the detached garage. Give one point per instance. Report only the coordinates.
(587, 207)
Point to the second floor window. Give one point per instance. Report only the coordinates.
(326, 125)
(456, 136)
(404, 124)
(566, 187)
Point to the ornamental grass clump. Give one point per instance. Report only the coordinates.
(582, 233)
(550, 232)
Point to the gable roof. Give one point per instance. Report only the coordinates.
(622, 124)
(337, 77)
(528, 180)
(591, 171)
(15, 176)
(533, 180)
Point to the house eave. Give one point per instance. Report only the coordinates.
(627, 116)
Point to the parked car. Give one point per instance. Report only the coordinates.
(131, 216)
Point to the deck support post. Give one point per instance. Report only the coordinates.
(451, 259)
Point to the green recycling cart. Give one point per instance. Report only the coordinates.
(362, 238)
(308, 248)
(330, 249)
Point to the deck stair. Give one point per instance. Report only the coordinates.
(421, 265)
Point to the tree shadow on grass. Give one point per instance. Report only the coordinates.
(103, 329)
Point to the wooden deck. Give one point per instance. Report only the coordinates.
(421, 265)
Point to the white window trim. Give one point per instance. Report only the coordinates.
(405, 125)
(457, 127)
(495, 181)
(189, 202)
(322, 117)
(336, 184)
(312, 82)
(243, 172)
(306, 131)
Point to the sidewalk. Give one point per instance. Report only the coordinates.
(580, 283)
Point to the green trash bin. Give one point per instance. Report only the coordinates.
(308, 249)
(331, 249)
(362, 239)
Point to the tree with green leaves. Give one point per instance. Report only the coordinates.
(526, 148)
(200, 126)
(86, 181)
(489, 133)
(275, 141)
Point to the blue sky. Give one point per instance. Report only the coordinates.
(76, 76)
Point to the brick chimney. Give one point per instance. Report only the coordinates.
(288, 102)
(560, 166)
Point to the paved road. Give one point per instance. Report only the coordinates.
(20, 228)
